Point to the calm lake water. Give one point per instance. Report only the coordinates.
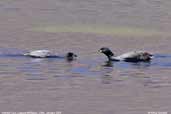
(88, 85)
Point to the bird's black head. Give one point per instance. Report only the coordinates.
(107, 52)
(70, 56)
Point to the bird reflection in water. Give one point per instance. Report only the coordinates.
(140, 65)
(106, 70)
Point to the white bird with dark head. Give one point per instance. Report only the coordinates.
(133, 56)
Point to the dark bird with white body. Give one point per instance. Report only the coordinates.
(133, 56)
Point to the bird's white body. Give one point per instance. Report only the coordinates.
(132, 54)
(39, 53)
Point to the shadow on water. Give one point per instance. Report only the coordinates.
(13, 62)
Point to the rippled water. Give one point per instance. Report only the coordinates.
(33, 66)
(76, 75)
(13, 61)
(88, 85)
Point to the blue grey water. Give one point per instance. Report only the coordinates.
(90, 84)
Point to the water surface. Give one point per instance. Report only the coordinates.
(89, 85)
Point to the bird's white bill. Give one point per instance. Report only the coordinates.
(100, 51)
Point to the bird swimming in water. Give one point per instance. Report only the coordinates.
(134, 56)
(49, 54)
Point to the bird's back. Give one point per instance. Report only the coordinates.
(39, 53)
(134, 56)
